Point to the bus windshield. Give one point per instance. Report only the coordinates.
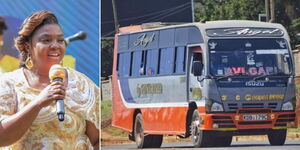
(251, 57)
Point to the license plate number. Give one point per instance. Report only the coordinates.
(255, 117)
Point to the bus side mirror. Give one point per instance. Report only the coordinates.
(197, 68)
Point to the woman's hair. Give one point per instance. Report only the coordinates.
(28, 27)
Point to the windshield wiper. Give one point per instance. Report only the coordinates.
(267, 75)
(230, 75)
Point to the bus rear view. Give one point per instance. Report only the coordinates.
(238, 79)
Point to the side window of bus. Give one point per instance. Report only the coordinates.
(179, 66)
(136, 63)
(124, 64)
(144, 63)
(197, 57)
(152, 60)
(166, 60)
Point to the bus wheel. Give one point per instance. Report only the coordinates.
(200, 138)
(142, 140)
(277, 137)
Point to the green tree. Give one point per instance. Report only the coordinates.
(107, 47)
(287, 12)
(228, 9)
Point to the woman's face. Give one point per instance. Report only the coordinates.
(47, 46)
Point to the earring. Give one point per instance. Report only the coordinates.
(28, 62)
(61, 63)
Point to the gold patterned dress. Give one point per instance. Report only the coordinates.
(46, 132)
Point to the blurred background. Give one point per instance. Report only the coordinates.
(73, 16)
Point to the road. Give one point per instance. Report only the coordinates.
(257, 145)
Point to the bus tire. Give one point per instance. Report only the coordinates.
(200, 138)
(277, 137)
(142, 140)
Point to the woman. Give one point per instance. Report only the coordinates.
(28, 118)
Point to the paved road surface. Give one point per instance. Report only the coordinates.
(264, 145)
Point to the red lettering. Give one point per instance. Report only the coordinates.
(261, 71)
(236, 70)
(253, 71)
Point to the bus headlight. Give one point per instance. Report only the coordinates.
(287, 106)
(216, 107)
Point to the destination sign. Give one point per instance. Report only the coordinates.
(244, 32)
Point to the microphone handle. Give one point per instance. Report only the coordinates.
(60, 109)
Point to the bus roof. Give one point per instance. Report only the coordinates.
(202, 26)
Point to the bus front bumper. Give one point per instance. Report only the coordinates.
(248, 118)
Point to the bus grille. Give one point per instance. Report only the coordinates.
(223, 121)
(232, 107)
(283, 119)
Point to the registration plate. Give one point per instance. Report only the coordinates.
(255, 117)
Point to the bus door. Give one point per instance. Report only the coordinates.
(194, 86)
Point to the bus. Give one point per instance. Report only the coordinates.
(207, 80)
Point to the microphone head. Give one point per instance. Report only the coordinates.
(81, 35)
(57, 71)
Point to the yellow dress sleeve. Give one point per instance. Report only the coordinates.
(86, 94)
(8, 103)
(92, 113)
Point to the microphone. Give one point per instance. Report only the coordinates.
(78, 36)
(57, 73)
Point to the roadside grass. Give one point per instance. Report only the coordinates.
(106, 110)
(106, 115)
(116, 132)
(294, 129)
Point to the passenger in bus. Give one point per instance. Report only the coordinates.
(28, 118)
(150, 71)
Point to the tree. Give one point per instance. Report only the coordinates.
(229, 9)
(107, 47)
(287, 12)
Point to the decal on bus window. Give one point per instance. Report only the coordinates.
(244, 32)
(248, 71)
(271, 51)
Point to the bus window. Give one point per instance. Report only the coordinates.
(179, 60)
(251, 57)
(124, 64)
(144, 63)
(197, 57)
(166, 61)
(136, 63)
(152, 60)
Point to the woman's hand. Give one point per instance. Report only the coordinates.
(54, 91)
(10, 129)
(93, 134)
